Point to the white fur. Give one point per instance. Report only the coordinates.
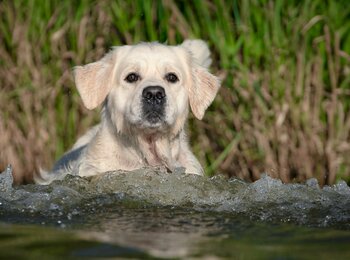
(124, 140)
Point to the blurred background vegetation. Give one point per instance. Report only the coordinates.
(283, 108)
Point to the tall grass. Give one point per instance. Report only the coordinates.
(283, 108)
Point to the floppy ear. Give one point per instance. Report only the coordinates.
(204, 85)
(203, 90)
(95, 80)
(199, 51)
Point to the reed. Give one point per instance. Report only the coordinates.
(285, 65)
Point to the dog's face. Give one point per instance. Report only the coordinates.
(149, 86)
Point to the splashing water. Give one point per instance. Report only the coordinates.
(151, 213)
(267, 200)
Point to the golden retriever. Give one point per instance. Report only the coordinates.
(146, 90)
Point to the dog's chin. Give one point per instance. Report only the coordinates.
(154, 119)
(153, 123)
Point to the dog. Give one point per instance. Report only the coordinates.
(147, 91)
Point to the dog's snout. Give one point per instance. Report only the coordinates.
(153, 103)
(154, 94)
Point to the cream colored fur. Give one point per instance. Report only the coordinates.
(124, 140)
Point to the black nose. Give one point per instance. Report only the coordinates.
(154, 95)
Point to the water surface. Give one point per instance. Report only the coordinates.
(150, 213)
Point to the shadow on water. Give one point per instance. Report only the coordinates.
(149, 213)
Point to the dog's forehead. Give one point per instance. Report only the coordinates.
(155, 53)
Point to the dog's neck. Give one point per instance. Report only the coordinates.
(160, 150)
(155, 148)
(151, 141)
(151, 154)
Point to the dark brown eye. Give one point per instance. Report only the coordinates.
(132, 77)
(171, 77)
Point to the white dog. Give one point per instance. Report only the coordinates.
(146, 90)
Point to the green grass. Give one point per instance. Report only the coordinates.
(283, 108)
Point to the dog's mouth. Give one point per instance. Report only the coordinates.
(154, 117)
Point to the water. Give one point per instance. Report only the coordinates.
(150, 213)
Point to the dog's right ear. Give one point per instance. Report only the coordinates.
(95, 80)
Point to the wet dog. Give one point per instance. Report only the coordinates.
(146, 91)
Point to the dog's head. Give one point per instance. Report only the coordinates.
(148, 86)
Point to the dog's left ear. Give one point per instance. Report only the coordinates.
(204, 85)
(199, 51)
(95, 80)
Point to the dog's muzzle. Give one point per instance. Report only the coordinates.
(153, 103)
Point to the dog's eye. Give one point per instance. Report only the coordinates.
(171, 77)
(132, 77)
